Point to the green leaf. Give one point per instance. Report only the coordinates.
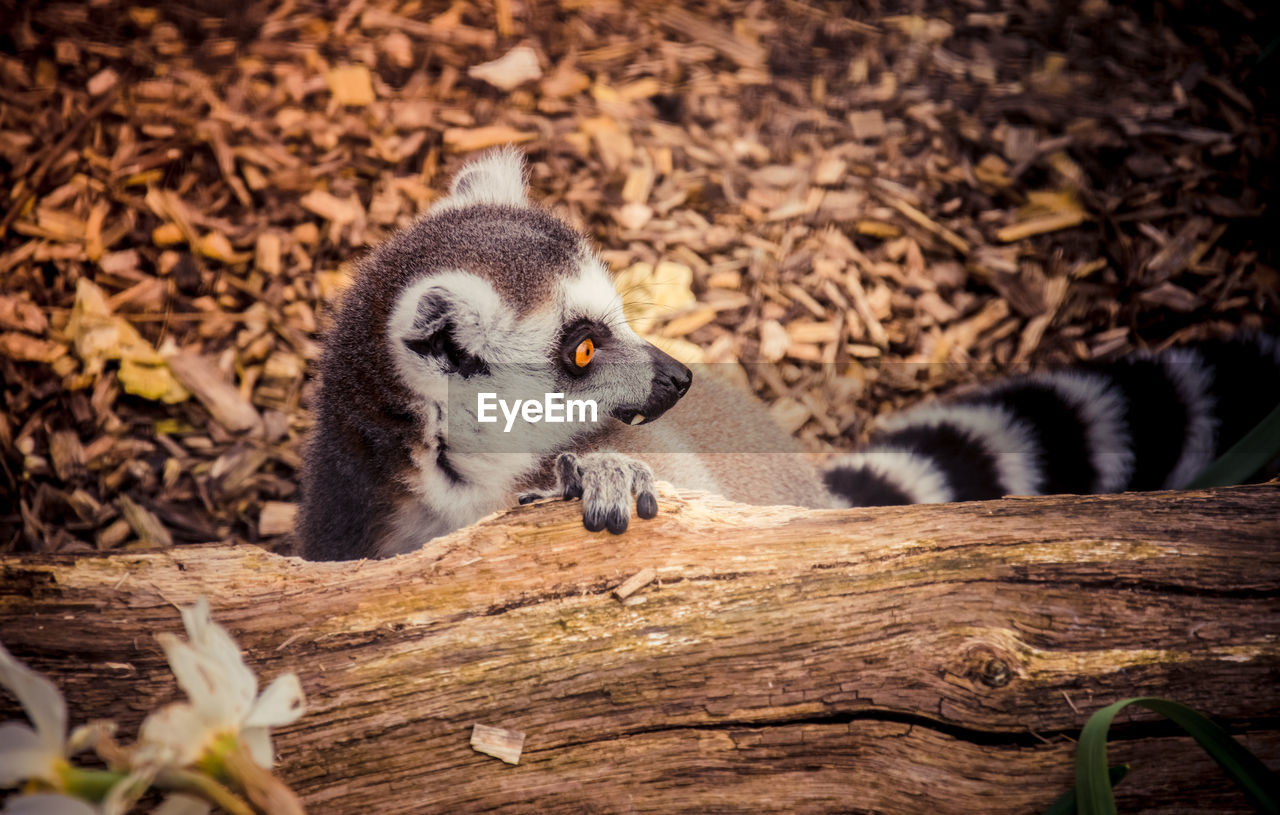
(1093, 787)
(1246, 457)
(1066, 802)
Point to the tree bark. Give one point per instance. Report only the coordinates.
(784, 660)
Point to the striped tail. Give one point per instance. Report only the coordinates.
(1149, 421)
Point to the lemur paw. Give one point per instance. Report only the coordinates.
(605, 482)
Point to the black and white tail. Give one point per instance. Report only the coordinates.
(1147, 422)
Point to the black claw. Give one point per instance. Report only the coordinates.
(618, 522)
(646, 505)
(528, 498)
(572, 491)
(593, 521)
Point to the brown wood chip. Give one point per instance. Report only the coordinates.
(635, 582)
(22, 315)
(1039, 225)
(497, 742)
(145, 525)
(464, 140)
(29, 349)
(277, 518)
(224, 402)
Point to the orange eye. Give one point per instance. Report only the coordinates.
(586, 350)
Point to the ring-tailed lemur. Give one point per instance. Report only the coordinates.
(489, 297)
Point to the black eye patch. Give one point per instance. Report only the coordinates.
(442, 346)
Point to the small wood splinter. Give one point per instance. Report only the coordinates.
(636, 582)
(497, 742)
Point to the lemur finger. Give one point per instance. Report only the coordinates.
(642, 485)
(594, 518)
(606, 506)
(569, 476)
(606, 492)
(647, 505)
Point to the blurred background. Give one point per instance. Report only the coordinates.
(884, 200)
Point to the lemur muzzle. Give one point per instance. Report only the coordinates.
(671, 380)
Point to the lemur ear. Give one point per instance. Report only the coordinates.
(432, 337)
(495, 178)
(432, 312)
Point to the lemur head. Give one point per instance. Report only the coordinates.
(500, 296)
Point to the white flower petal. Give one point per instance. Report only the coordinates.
(47, 804)
(281, 703)
(23, 756)
(17, 766)
(38, 696)
(175, 735)
(214, 642)
(258, 741)
(195, 674)
(179, 804)
(18, 736)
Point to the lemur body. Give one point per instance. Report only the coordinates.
(486, 293)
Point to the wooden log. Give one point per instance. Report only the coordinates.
(784, 660)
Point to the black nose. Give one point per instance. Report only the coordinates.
(671, 373)
(682, 381)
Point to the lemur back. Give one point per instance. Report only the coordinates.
(722, 440)
(487, 294)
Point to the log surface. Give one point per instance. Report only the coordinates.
(784, 660)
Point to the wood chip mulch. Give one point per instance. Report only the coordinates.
(883, 204)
